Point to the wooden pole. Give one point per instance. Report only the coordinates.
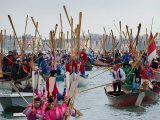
(120, 34)
(79, 31)
(36, 28)
(137, 37)
(65, 10)
(1, 45)
(10, 19)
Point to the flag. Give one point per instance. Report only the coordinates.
(51, 86)
(151, 49)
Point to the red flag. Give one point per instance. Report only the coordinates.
(52, 85)
(151, 49)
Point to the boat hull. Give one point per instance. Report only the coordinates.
(122, 100)
(4, 84)
(14, 101)
(150, 96)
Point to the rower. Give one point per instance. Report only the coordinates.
(118, 77)
(147, 74)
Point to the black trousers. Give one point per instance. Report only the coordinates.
(117, 84)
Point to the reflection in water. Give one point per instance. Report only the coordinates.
(94, 104)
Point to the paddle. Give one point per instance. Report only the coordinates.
(13, 86)
(95, 87)
(99, 73)
(19, 115)
(140, 99)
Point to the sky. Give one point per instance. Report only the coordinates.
(96, 14)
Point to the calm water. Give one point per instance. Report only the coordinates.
(94, 104)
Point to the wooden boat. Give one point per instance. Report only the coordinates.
(99, 63)
(121, 100)
(4, 83)
(150, 96)
(13, 101)
(129, 98)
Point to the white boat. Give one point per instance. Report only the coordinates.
(4, 83)
(13, 101)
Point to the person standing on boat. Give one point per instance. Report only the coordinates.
(118, 77)
(147, 74)
(83, 55)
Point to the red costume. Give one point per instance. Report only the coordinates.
(74, 65)
(147, 73)
(68, 67)
(84, 56)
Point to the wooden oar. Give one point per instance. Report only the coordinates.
(99, 73)
(10, 19)
(13, 86)
(140, 99)
(96, 87)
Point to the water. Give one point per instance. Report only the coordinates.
(94, 104)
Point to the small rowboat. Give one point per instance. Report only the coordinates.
(126, 98)
(121, 100)
(99, 63)
(14, 102)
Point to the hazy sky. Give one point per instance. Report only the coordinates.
(96, 14)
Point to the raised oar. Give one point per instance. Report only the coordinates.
(137, 37)
(36, 27)
(67, 15)
(26, 25)
(10, 19)
(106, 84)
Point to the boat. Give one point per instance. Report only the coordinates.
(88, 67)
(14, 102)
(120, 100)
(128, 98)
(5, 83)
(102, 64)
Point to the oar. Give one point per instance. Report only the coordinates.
(140, 99)
(13, 86)
(18, 115)
(95, 87)
(99, 73)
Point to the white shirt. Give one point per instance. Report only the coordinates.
(118, 75)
